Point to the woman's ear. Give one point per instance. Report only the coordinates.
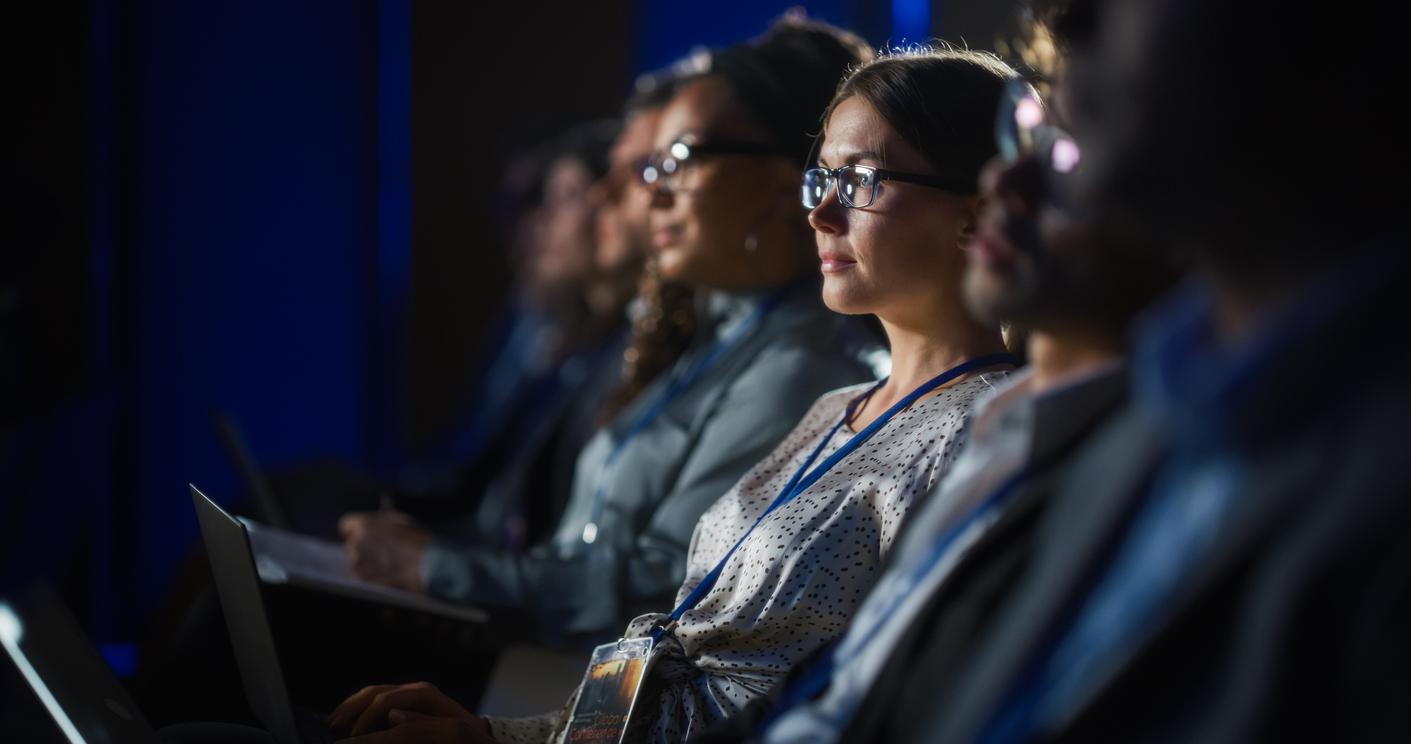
(974, 207)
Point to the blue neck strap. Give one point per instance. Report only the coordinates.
(803, 478)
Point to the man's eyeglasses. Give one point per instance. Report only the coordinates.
(1023, 129)
(664, 171)
(857, 184)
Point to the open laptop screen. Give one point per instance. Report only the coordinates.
(56, 660)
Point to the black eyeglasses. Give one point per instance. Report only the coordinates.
(857, 184)
(663, 171)
(1023, 128)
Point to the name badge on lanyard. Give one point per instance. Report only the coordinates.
(609, 692)
(615, 674)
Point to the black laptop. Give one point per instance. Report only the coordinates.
(238, 586)
(57, 661)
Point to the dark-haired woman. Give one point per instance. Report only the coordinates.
(780, 562)
(764, 348)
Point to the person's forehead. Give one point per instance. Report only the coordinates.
(636, 137)
(855, 129)
(852, 128)
(689, 110)
(705, 107)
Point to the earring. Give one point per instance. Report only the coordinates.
(751, 243)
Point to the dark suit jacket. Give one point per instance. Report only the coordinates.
(995, 579)
(1296, 626)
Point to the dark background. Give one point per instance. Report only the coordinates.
(285, 211)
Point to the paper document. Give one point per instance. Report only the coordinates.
(300, 560)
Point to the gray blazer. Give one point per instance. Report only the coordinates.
(667, 475)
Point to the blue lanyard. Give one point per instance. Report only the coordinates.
(803, 478)
(678, 385)
(820, 673)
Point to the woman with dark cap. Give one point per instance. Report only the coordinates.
(779, 563)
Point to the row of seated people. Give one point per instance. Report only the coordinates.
(1165, 527)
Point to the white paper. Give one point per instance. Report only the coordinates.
(300, 560)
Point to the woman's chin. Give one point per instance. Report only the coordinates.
(673, 266)
(844, 300)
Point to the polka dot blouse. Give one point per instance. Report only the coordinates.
(795, 583)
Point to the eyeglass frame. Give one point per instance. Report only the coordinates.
(654, 172)
(878, 176)
(1016, 141)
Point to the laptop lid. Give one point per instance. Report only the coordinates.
(238, 586)
(55, 658)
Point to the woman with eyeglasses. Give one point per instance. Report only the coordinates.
(766, 346)
(779, 563)
(764, 349)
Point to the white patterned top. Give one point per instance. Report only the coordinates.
(793, 586)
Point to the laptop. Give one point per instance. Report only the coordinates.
(238, 586)
(56, 660)
(244, 555)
